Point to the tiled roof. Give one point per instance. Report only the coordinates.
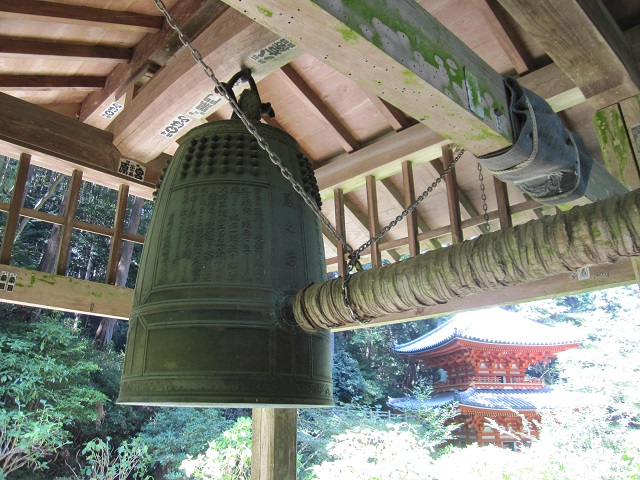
(495, 399)
(493, 325)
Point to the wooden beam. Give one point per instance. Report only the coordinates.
(338, 198)
(43, 290)
(494, 17)
(118, 229)
(305, 94)
(452, 196)
(502, 198)
(403, 55)
(62, 144)
(616, 146)
(399, 198)
(17, 199)
(79, 15)
(631, 114)
(584, 40)
(395, 117)
(374, 223)
(28, 83)
(228, 44)
(67, 226)
(273, 446)
(155, 48)
(601, 276)
(24, 47)
(409, 190)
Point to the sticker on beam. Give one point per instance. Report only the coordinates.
(132, 169)
(7, 281)
(173, 127)
(112, 111)
(273, 51)
(581, 274)
(202, 109)
(635, 136)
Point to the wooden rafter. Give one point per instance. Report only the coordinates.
(409, 197)
(79, 83)
(502, 198)
(156, 48)
(227, 45)
(397, 61)
(452, 196)
(584, 40)
(11, 47)
(338, 199)
(395, 117)
(79, 15)
(373, 222)
(305, 94)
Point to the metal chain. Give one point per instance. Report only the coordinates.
(484, 199)
(354, 255)
(251, 128)
(354, 258)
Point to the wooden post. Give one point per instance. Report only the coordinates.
(338, 198)
(452, 197)
(118, 229)
(502, 197)
(17, 197)
(409, 198)
(374, 224)
(273, 452)
(67, 226)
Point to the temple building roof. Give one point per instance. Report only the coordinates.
(495, 326)
(494, 399)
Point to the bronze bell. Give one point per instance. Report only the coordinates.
(229, 238)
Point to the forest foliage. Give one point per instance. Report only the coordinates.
(58, 417)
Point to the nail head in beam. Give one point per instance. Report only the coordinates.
(67, 226)
(17, 198)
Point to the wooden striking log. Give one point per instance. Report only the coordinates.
(593, 234)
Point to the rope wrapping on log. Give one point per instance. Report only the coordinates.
(593, 234)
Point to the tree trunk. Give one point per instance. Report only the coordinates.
(104, 334)
(50, 255)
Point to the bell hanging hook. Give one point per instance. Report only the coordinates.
(249, 102)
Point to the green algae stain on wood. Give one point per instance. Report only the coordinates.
(615, 145)
(348, 35)
(266, 12)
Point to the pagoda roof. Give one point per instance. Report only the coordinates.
(494, 399)
(493, 325)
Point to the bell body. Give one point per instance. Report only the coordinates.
(228, 238)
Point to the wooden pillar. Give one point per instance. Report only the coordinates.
(338, 198)
(118, 229)
(374, 224)
(452, 196)
(273, 452)
(67, 226)
(17, 198)
(502, 197)
(409, 198)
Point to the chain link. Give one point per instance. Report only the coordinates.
(485, 208)
(354, 255)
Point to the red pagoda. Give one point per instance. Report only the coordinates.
(483, 357)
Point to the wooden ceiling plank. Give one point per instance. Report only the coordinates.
(80, 15)
(305, 94)
(25, 83)
(494, 16)
(62, 144)
(408, 58)
(193, 16)
(399, 198)
(227, 46)
(584, 40)
(12, 47)
(452, 196)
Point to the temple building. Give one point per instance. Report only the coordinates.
(483, 357)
